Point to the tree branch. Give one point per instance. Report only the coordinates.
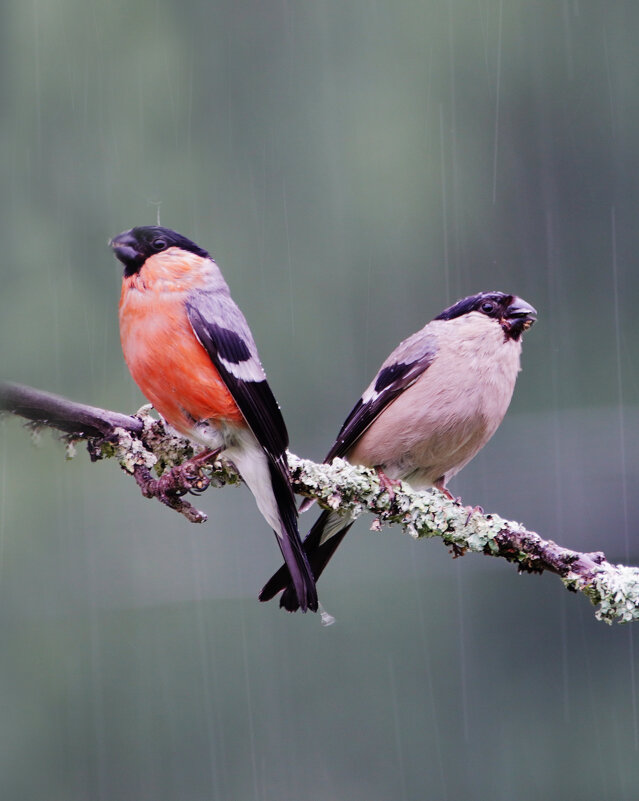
(141, 443)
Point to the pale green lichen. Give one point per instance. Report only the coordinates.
(128, 450)
(168, 446)
(353, 490)
(616, 589)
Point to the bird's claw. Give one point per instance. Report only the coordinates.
(471, 512)
(388, 484)
(171, 486)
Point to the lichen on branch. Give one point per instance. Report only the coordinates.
(144, 445)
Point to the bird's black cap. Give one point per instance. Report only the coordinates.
(135, 246)
(514, 314)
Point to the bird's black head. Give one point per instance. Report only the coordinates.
(134, 247)
(513, 313)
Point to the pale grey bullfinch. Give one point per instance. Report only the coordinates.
(434, 403)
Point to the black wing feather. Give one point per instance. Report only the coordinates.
(254, 398)
(229, 344)
(390, 382)
(393, 378)
(228, 348)
(319, 554)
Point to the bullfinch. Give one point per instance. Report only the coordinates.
(191, 352)
(434, 403)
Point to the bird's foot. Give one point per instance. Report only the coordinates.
(471, 512)
(172, 485)
(205, 457)
(387, 483)
(190, 473)
(440, 486)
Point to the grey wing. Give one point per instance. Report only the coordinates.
(223, 331)
(401, 369)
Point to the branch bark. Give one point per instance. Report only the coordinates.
(141, 443)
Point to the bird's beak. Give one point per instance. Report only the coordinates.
(125, 248)
(521, 314)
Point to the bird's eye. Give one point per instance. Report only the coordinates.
(159, 244)
(487, 307)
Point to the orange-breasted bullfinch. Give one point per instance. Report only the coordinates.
(191, 352)
(435, 402)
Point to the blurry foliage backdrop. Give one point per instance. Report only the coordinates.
(354, 168)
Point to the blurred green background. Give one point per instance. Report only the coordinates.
(354, 168)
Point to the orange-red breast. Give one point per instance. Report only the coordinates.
(435, 402)
(191, 352)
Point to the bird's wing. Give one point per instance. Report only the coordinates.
(329, 530)
(402, 368)
(224, 333)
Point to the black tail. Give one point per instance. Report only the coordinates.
(318, 553)
(298, 571)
